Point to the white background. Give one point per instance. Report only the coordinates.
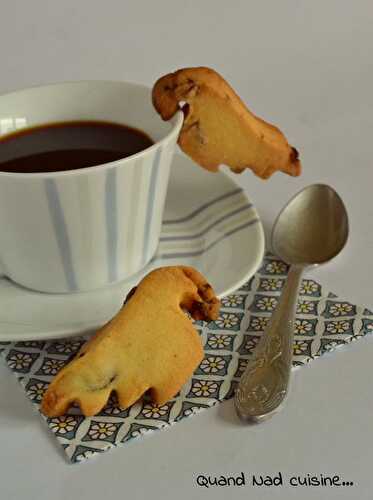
(307, 67)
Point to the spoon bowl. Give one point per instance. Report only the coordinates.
(312, 228)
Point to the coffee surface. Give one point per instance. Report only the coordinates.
(69, 145)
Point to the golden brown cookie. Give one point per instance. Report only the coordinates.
(150, 344)
(218, 128)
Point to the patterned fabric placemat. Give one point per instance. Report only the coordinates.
(323, 322)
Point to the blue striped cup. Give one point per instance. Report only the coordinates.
(83, 229)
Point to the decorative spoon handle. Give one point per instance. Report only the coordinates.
(264, 384)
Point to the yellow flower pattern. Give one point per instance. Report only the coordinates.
(271, 284)
(276, 267)
(219, 341)
(335, 327)
(302, 327)
(63, 425)
(204, 388)
(300, 347)
(265, 303)
(153, 411)
(212, 364)
(233, 301)
(309, 287)
(340, 309)
(258, 323)
(306, 307)
(101, 430)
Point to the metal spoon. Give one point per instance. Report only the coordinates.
(310, 230)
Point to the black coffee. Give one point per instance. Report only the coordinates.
(69, 145)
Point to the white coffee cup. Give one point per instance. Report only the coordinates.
(83, 229)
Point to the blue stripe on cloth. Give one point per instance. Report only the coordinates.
(150, 204)
(111, 214)
(208, 228)
(200, 209)
(60, 231)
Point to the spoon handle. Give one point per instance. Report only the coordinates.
(264, 383)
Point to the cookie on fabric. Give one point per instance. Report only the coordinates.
(150, 345)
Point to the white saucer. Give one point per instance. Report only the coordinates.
(209, 223)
